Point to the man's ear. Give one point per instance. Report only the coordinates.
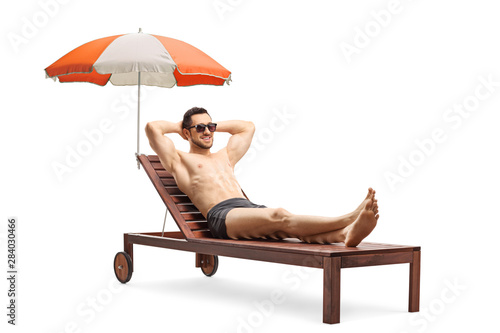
(185, 134)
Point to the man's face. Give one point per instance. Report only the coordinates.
(205, 139)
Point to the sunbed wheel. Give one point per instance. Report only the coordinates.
(209, 264)
(123, 267)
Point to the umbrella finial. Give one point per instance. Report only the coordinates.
(140, 30)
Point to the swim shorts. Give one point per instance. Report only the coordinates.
(216, 217)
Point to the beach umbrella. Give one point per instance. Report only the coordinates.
(138, 59)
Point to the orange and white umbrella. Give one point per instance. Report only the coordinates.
(138, 59)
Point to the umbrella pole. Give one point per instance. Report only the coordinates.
(138, 116)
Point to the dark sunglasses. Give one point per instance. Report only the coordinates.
(200, 128)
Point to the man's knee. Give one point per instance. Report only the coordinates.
(280, 215)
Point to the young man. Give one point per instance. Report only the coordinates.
(208, 179)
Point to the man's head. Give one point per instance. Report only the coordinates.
(192, 118)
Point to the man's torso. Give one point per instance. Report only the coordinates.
(206, 180)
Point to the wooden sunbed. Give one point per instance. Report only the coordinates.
(194, 236)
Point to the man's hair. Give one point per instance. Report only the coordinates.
(187, 121)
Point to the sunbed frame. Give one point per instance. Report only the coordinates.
(194, 236)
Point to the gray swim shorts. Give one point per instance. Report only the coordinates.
(216, 216)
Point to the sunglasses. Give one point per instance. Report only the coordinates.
(200, 128)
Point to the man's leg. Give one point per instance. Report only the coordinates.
(277, 222)
(264, 222)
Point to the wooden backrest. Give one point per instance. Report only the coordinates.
(188, 218)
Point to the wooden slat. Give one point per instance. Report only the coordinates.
(193, 216)
(153, 158)
(198, 225)
(157, 166)
(173, 189)
(202, 234)
(164, 174)
(190, 207)
(168, 182)
(180, 198)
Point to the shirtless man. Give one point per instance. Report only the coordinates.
(208, 180)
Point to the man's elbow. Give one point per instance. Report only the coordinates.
(250, 126)
(150, 129)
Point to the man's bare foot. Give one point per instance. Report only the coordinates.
(369, 197)
(363, 225)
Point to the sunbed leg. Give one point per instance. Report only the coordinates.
(414, 299)
(198, 260)
(129, 248)
(331, 290)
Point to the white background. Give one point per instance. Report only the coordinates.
(349, 121)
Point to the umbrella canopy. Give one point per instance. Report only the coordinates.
(162, 62)
(135, 59)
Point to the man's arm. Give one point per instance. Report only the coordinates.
(241, 137)
(162, 145)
